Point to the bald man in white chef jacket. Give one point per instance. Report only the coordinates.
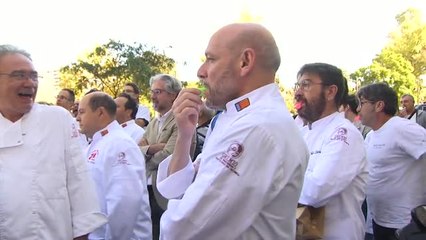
(246, 182)
(118, 169)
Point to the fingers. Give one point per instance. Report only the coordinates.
(187, 98)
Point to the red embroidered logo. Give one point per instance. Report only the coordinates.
(92, 156)
(228, 158)
(340, 135)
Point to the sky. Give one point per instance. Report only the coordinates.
(345, 33)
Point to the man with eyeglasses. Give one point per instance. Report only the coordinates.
(142, 115)
(396, 154)
(45, 187)
(337, 171)
(65, 99)
(159, 140)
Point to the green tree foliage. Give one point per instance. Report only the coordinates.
(402, 62)
(390, 67)
(108, 67)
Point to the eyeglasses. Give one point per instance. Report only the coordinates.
(155, 92)
(128, 91)
(22, 75)
(362, 102)
(305, 85)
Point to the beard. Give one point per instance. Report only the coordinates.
(223, 91)
(312, 110)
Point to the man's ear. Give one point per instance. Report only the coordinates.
(331, 92)
(248, 57)
(100, 111)
(379, 106)
(128, 112)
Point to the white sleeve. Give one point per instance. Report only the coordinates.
(330, 172)
(143, 112)
(412, 139)
(174, 186)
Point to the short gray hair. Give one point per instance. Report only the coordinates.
(172, 84)
(10, 49)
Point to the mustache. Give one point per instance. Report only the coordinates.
(299, 98)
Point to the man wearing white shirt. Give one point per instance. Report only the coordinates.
(337, 171)
(45, 187)
(246, 182)
(396, 153)
(125, 116)
(118, 169)
(143, 116)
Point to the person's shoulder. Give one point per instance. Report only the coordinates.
(51, 111)
(421, 113)
(122, 138)
(142, 107)
(343, 126)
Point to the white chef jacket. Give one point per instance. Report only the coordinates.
(134, 130)
(45, 187)
(143, 112)
(118, 169)
(249, 178)
(336, 176)
(396, 171)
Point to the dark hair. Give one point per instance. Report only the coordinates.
(352, 102)
(380, 92)
(134, 86)
(103, 100)
(130, 104)
(330, 75)
(91, 91)
(71, 93)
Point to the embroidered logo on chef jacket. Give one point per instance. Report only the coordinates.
(121, 160)
(74, 131)
(341, 134)
(124, 125)
(242, 104)
(229, 158)
(93, 156)
(104, 132)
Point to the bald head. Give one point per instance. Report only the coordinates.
(239, 36)
(240, 58)
(95, 112)
(96, 100)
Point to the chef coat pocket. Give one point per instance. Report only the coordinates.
(52, 185)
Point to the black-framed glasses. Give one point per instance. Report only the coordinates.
(362, 102)
(128, 91)
(305, 85)
(22, 75)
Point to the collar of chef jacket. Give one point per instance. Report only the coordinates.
(11, 133)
